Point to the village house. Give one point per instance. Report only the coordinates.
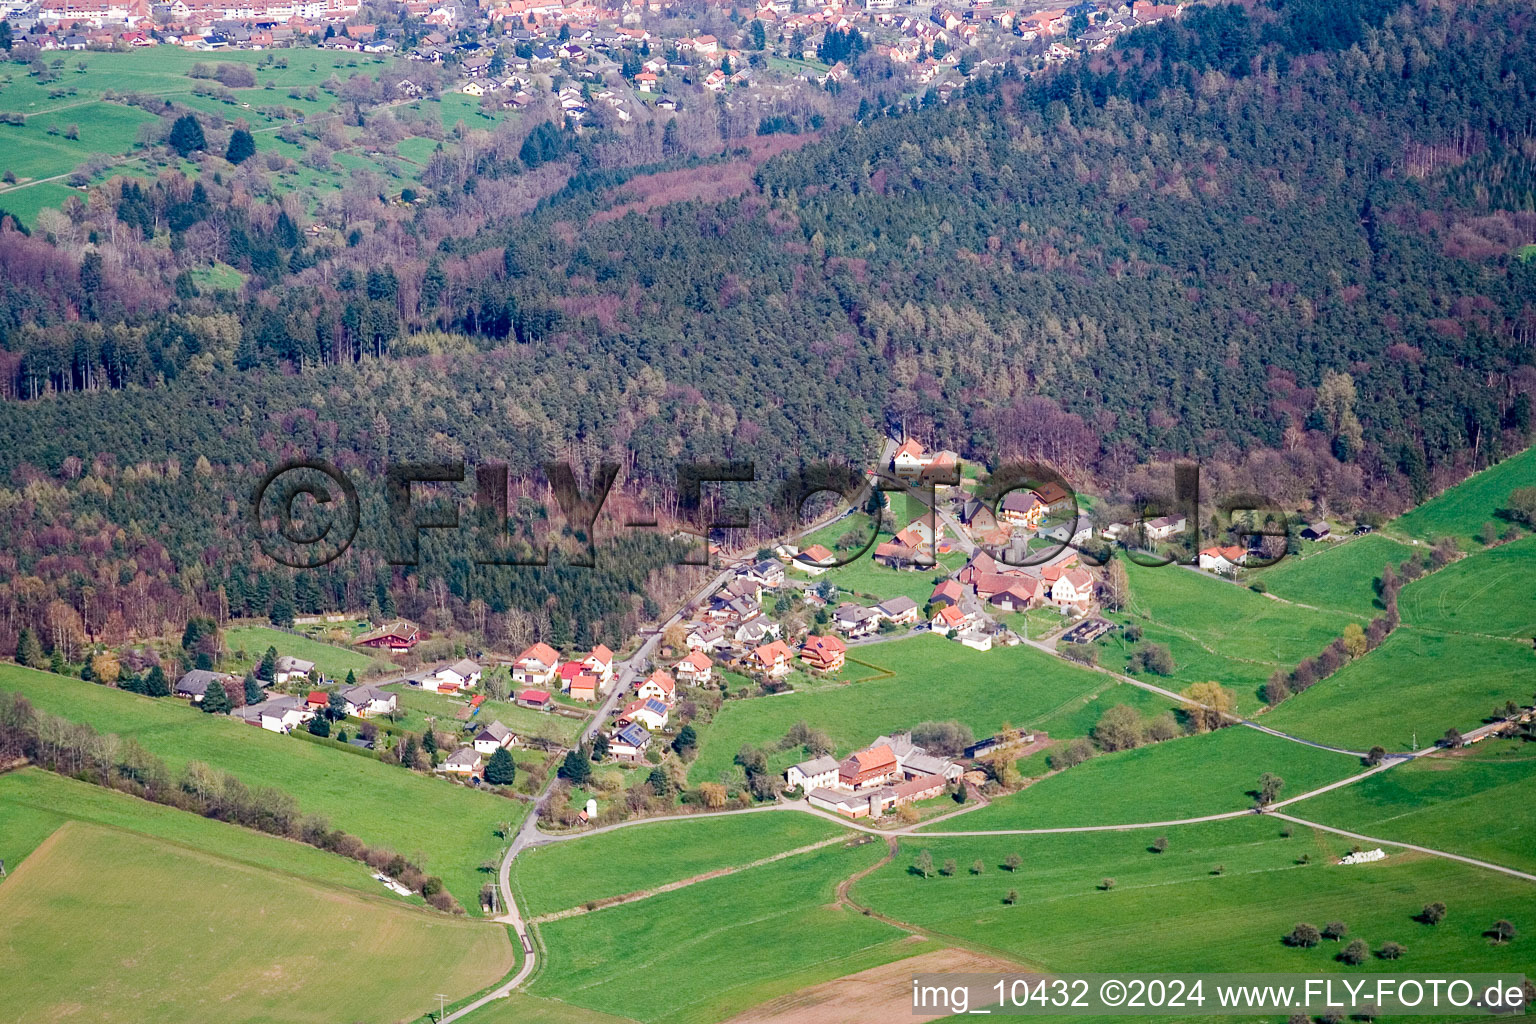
(660, 686)
(823, 653)
(815, 560)
(1021, 592)
(492, 738)
(694, 670)
(464, 761)
(1164, 527)
(1315, 531)
(947, 593)
(767, 573)
(774, 660)
(949, 619)
(286, 669)
(855, 620)
(629, 742)
(1222, 559)
(600, 664)
(864, 769)
(398, 636)
(707, 637)
(536, 666)
(1022, 508)
(584, 687)
(194, 685)
(1073, 590)
(903, 611)
(913, 462)
(279, 715)
(539, 700)
(460, 675)
(758, 631)
(649, 712)
(1077, 531)
(363, 701)
(817, 773)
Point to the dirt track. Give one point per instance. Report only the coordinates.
(880, 993)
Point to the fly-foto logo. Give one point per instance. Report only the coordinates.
(306, 513)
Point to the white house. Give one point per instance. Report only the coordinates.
(461, 675)
(649, 712)
(660, 686)
(1164, 527)
(817, 773)
(1222, 559)
(694, 670)
(363, 701)
(280, 714)
(287, 668)
(630, 742)
(1073, 588)
(492, 738)
(599, 663)
(464, 761)
(536, 666)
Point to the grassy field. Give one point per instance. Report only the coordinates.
(521, 1009)
(1480, 802)
(1414, 682)
(1172, 912)
(933, 679)
(34, 803)
(334, 662)
(560, 875)
(1223, 632)
(1462, 510)
(450, 828)
(183, 935)
(417, 704)
(1181, 778)
(709, 950)
(1338, 577)
(1490, 593)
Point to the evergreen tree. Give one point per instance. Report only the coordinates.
(600, 747)
(241, 147)
(429, 744)
(408, 754)
(28, 651)
(186, 136)
(351, 678)
(266, 669)
(216, 701)
(501, 770)
(686, 740)
(56, 663)
(253, 694)
(577, 767)
(155, 683)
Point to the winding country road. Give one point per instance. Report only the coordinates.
(528, 834)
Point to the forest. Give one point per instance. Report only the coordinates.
(1276, 237)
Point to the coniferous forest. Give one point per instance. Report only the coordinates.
(1281, 237)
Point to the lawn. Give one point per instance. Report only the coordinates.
(1219, 631)
(932, 679)
(1416, 682)
(1339, 577)
(450, 828)
(522, 1009)
(417, 704)
(1480, 802)
(334, 662)
(561, 875)
(1182, 778)
(183, 935)
(1171, 911)
(1462, 510)
(710, 950)
(1489, 593)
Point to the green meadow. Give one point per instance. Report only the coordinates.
(1480, 802)
(187, 936)
(1220, 898)
(1491, 593)
(448, 827)
(334, 662)
(1338, 577)
(1416, 683)
(932, 679)
(568, 874)
(1462, 510)
(1217, 630)
(34, 803)
(710, 950)
(1180, 778)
